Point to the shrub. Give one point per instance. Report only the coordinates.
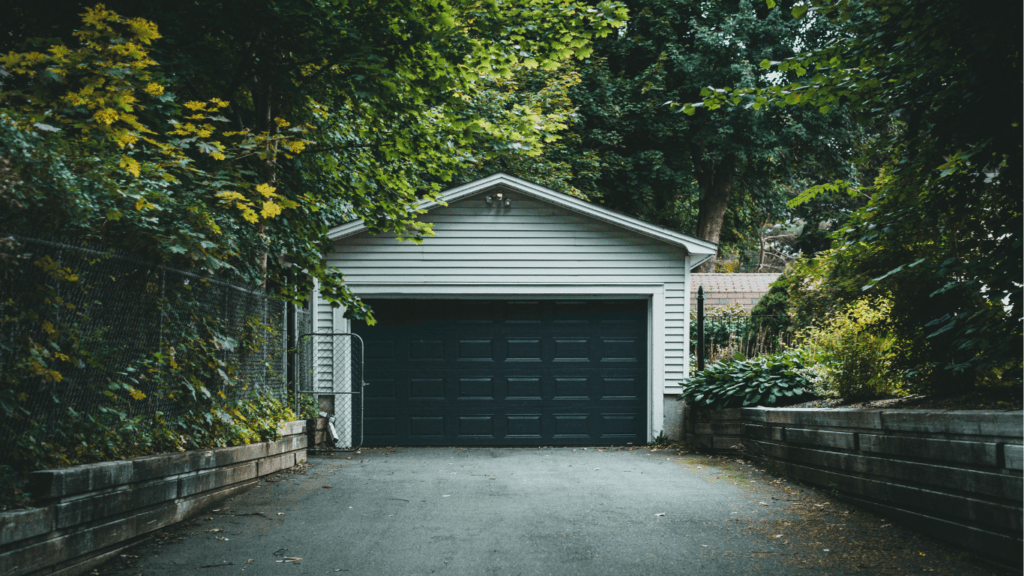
(770, 380)
(857, 350)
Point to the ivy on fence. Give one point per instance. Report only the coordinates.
(106, 357)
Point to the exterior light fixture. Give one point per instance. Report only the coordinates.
(500, 197)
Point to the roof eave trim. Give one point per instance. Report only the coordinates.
(693, 246)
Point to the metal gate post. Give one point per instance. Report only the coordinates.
(700, 329)
(331, 364)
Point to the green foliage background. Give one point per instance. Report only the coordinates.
(941, 233)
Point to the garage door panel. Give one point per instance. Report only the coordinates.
(619, 425)
(477, 427)
(621, 350)
(379, 426)
(476, 350)
(524, 426)
(571, 426)
(479, 388)
(524, 388)
(382, 388)
(505, 372)
(426, 426)
(625, 388)
(527, 312)
(426, 350)
(524, 350)
(378, 349)
(426, 388)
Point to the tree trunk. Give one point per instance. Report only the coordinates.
(715, 180)
(762, 242)
(265, 124)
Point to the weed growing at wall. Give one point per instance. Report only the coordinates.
(308, 406)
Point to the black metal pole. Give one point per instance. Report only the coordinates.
(700, 329)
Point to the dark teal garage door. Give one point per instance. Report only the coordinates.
(472, 372)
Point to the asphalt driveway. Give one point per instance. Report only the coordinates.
(510, 511)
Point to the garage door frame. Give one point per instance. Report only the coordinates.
(653, 293)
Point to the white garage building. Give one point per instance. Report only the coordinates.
(531, 318)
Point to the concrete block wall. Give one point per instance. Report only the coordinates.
(955, 476)
(317, 434)
(87, 514)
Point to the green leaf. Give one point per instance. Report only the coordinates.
(799, 11)
(766, 64)
(771, 3)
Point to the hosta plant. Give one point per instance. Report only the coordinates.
(769, 380)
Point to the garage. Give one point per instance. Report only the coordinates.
(529, 317)
(512, 372)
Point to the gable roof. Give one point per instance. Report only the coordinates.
(701, 250)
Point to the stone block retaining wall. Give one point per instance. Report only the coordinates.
(956, 476)
(317, 434)
(87, 514)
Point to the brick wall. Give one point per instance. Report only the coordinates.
(87, 514)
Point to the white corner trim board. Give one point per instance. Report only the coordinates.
(700, 250)
(653, 293)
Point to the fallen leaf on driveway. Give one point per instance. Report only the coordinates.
(596, 468)
(214, 530)
(328, 486)
(289, 560)
(660, 514)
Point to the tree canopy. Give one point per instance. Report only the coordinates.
(232, 134)
(718, 176)
(943, 229)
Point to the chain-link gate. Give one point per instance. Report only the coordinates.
(331, 369)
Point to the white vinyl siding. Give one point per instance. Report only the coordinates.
(530, 243)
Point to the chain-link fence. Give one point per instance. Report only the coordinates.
(92, 337)
(330, 367)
